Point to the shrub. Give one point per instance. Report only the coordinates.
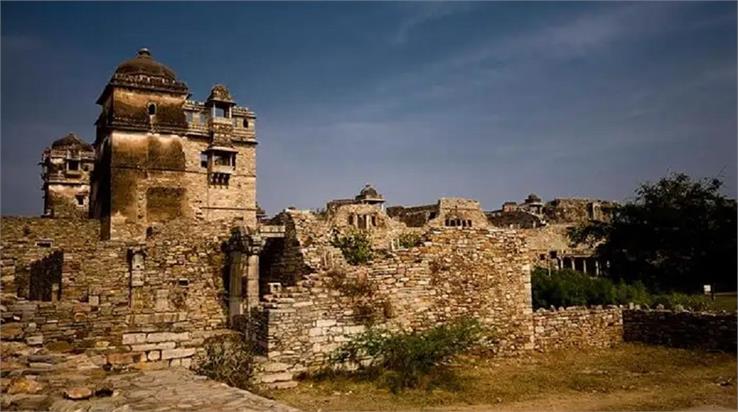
(228, 359)
(570, 288)
(409, 359)
(692, 302)
(355, 246)
(409, 240)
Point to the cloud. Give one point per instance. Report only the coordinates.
(424, 14)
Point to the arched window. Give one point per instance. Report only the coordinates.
(245, 123)
(152, 109)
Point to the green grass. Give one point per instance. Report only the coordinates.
(726, 301)
(627, 377)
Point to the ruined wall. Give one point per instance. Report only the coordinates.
(575, 211)
(577, 328)
(26, 240)
(159, 313)
(455, 273)
(701, 330)
(581, 327)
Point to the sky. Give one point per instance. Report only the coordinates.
(489, 101)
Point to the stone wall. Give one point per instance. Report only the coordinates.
(455, 273)
(158, 311)
(577, 327)
(701, 330)
(581, 327)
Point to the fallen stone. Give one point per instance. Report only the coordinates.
(10, 331)
(78, 393)
(24, 385)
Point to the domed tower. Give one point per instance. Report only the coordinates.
(65, 169)
(370, 196)
(161, 156)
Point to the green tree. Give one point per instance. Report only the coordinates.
(677, 234)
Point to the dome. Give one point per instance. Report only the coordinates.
(144, 64)
(533, 198)
(220, 93)
(71, 140)
(368, 192)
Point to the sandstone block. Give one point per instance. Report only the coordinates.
(24, 385)
(322, 323)
(10, 331)
(153, 346)
(153, 355)
(126, 358)
(276, 377)
(177, 353)
(35, 340)
(78, 393)
(167, 336)
(133, 338)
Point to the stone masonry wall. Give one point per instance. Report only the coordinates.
(455, 273)
(577, 327)
(701, 330)
(581, 327)
(158, 313)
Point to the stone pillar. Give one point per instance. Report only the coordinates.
(573, 266)
(252, 281)
(244, 247)
(584, 266)
(235, 276)
(597, 267)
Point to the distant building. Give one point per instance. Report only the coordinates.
(65, 170)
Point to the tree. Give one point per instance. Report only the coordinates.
(678, 234)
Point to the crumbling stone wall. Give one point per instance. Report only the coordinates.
(702, 330)
(581, 327)
(455, 273)
(577, 327)
(443, 213)
(159, 313)
(575, 211)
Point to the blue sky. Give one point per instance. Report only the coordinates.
(483, 100)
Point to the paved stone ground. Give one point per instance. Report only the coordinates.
(174, 389)
(38, 380)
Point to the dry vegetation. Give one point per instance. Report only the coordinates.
(628, 377)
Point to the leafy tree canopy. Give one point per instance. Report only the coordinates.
(678, 234)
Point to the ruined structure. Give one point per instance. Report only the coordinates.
(65, 170)
(176, 250)
(546, 227)
(161, 156)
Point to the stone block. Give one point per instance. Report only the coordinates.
(322, 323)
(153, 355)
(167, 336)
(276, 377)
(133, 338)
(153, 346)
(35, 340)
(177, 353)
(125, 358)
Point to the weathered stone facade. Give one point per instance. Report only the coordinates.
(66, 166)
(161, 157)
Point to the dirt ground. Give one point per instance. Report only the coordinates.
(629, 377)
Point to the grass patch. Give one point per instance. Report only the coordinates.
(627, 377)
